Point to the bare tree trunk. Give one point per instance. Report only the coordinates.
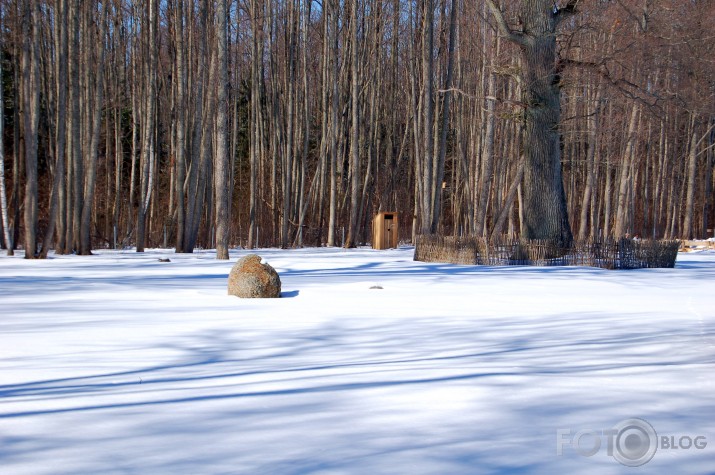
(692, 169)
(180, 148)
(659, 181)
(415, 106)
(60, 39)
(233, 140)
(31, 98)
(194, 182)
(607, 200)
(428, 186)
(621, 226)
(256, 65)
(74, 162)
(334, 12)
(18, 151)
(545, 212)
(204, 159)
(288, 145)
(3, 191)
(352, 238)
(118, 177)
(487, 162)
(437, 208)
(264, 140)
(148, 132)
(708, 205)
(508, 202)
(306, 122)
(222, 159)
(91, 157)
(691, 184)
(586, 206)
(324, 107)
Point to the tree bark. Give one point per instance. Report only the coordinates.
(180, 147)
(306, 123)
(545, 212)
(289, 142)
(332, 220)
(325, 114)
(442, 149)
(692, 174)
(508, 201)
(428, 185)
(147, 161)
(195, 180)
(31, 97)
(256, 65)
(91, 157)
(622, 215)
(60, 39)
(3, 191)
(487, 161)
(352, 238)
(222, 161)
(593, 144)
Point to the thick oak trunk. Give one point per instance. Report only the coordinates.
(545, 212)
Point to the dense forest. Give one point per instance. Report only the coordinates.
(217, 123)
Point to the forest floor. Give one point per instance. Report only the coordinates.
(119, 363)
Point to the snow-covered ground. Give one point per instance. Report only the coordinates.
(118, 363)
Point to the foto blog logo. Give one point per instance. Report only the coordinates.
(632, 442)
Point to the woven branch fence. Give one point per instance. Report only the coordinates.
(621, 253)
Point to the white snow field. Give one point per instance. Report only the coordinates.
(118, 363)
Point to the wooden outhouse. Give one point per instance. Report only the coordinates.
(384, 231)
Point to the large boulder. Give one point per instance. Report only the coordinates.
(251, 277)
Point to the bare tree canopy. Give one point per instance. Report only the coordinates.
(217, 123)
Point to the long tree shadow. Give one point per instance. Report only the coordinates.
(299, 361)
(343, 396)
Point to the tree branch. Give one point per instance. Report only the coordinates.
(570, 7)
(504, 29)
(567, 10)
(635, 18)
(624, 86)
